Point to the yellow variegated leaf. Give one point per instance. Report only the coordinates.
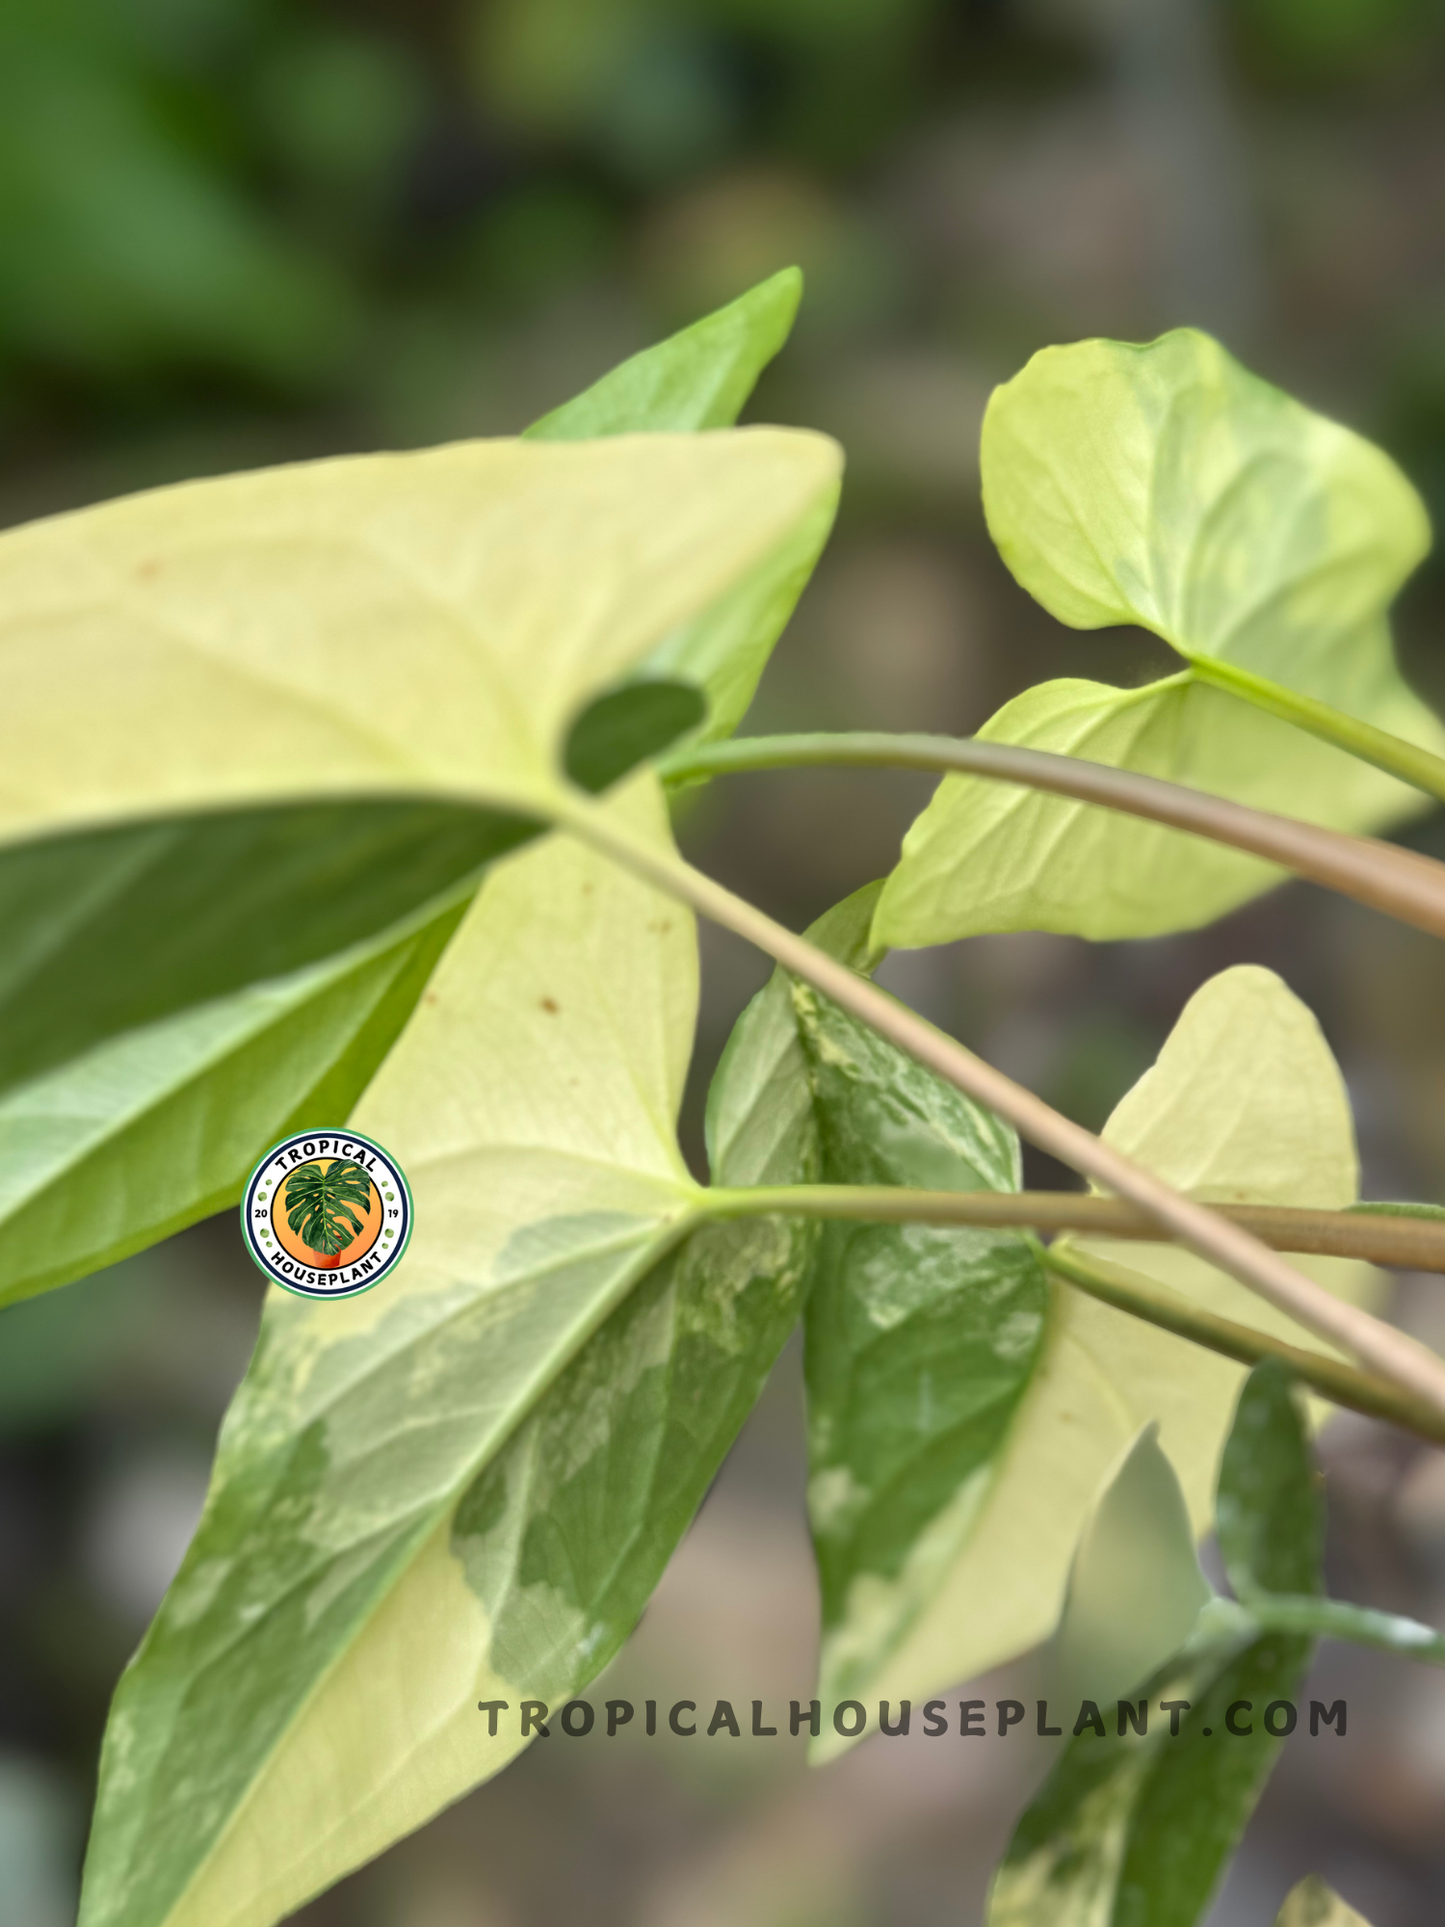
(464, 1484)
(1313, 1904)
(378, 624)
(1167, 486)
(1244, 1103)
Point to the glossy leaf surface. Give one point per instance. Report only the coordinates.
(1136, 1829)
(1004, 1406)
(187, 910)
(1168, 487)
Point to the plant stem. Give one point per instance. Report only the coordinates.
(1419, 767)
(1398, 882)
(1128, 1291)
(1214, 1238)
(1334, 1619)
(1408, 1243)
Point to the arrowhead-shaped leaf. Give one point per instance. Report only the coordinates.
(464, 1485)
(384, 625)
(1168, 487)
(920, 1340)
(216, 644)
(1245, 1103)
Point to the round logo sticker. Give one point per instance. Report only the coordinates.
(326, 1214)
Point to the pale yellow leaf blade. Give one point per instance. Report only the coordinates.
(1313, 1904)
(383, 623)
(331, 1635)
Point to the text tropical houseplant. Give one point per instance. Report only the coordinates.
(339, 791)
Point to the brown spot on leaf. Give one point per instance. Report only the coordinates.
(549, 1004)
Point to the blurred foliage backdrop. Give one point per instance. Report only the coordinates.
(243, 231)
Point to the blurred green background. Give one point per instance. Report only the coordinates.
(242, 231)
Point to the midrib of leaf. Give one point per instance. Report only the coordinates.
(676, 1230)
(395, 562)
(428, 1519)
(337, 722)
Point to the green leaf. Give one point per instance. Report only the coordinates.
(920, 1340)
(1166, 486)
(237, 658)
(1245, 1103)
(159, 1127)
(1135, 1587)
(627, 726)
(1313, 1904)
(1270, 1519)
(1270, 1513)
(1134, 1831)
(699, 378)
(1133, 1828)
(241, 897)
(464, 1486)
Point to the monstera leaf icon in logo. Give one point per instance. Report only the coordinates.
(319, 1198)
(326, 1214)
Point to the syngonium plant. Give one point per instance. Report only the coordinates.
(372, 824)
